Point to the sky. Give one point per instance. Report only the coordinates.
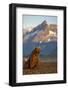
(34, 20)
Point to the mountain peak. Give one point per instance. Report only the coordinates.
(41, 26)
(44, 23)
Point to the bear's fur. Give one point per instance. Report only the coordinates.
(33, 59)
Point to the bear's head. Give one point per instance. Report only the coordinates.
(37, 50)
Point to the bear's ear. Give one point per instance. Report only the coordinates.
(35, 49)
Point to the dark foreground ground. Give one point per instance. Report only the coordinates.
(42, 68)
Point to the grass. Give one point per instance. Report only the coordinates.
(42, 68)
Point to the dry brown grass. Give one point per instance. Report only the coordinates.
(42, 68)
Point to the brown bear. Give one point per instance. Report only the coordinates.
(33, 59)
